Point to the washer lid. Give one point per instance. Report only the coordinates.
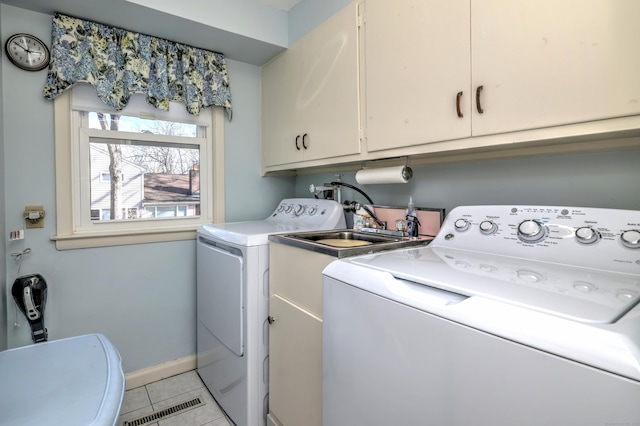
(75, 381)
(575, 293)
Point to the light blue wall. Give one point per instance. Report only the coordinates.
(606, 180)
(141, 296)
(308, 14)
(3, 251)
(249, 196)
(28, 160)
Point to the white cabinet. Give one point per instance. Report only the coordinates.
(538, 64)
(547, 63)
(295, 335)
(295, 365)
(417, 61)
(310, 96)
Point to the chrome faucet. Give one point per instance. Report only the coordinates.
(353, 206)
(381, 223)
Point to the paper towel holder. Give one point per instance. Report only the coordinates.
(403, 173)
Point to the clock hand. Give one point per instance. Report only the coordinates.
(20, 46)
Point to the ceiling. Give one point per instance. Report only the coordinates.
(281, 4)
(196, 31)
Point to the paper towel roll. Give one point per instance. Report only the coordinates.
(398, 174)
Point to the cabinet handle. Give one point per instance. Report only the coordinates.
(304, 139)
(297, 139)
(458, 97)
(271, 319)
(478, 105)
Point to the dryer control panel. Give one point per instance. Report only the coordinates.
(323, 214)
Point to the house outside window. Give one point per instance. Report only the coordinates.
(140, 175)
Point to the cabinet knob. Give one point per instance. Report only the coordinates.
(478, 104)
(305, 137)
(297, 139)
(271, 319)
(458, 97)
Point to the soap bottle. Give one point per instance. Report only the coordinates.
(410, 207)
(412, 219)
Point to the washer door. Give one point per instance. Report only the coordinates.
(220, 293)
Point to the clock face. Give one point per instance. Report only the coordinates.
(27, 52)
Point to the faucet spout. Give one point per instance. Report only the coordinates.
(381, 224)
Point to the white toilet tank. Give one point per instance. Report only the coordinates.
(74, 381)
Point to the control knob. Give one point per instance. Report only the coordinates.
(631, 239)
(587, 235)
(531, 231)
(461, 225)
(529, 276)
(299, 211)
(488, 227)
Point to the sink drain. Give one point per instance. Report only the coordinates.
(166, 412)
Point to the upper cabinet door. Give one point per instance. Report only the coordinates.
(417, 73)
(327, 101)
(279, 125)
(310, 97)
(546, 62)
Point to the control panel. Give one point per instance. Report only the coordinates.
(604, 239)
(308, 211)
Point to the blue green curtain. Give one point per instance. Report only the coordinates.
(119, 63)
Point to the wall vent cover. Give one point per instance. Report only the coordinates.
(166, 412)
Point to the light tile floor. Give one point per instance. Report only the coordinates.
(169, 391)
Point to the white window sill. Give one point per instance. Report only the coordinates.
(124, 237)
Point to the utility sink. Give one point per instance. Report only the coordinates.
(346, 238)
(347, 242)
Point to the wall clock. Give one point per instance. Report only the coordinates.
(27, 52)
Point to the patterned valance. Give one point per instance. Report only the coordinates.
(119, 63)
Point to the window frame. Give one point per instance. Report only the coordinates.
(70, 234)
(83, 186)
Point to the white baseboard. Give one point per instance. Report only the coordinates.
(154, 373)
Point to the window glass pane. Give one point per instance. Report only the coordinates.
(149, 212)
(141, 125)
(148, 173)
(165, 211)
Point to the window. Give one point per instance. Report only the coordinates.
(142, 175)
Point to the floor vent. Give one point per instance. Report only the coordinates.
(166, 412)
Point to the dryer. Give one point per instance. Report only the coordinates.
(232, 302)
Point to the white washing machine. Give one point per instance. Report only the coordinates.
(233, 297)
(513, 315)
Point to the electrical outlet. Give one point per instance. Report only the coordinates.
(34, 216)
(16, 235)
